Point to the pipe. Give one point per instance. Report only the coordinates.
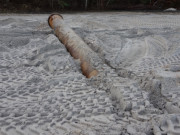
(74, 44)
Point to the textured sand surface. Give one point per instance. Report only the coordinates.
(137, 92)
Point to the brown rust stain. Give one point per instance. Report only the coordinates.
(87, 70)
(84, 68)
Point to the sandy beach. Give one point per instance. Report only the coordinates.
(137, 91)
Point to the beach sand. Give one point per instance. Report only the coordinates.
(137, 91)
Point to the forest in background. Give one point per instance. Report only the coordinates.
(80, 5)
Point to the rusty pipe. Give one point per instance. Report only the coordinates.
(74, 44)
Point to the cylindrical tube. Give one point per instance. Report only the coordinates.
(74, 44)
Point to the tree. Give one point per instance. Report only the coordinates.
(86, 4)
(100, 4)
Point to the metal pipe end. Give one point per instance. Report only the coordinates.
(52, 17)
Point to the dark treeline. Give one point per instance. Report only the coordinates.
(56, 5)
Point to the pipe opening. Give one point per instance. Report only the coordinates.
(52, 17)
